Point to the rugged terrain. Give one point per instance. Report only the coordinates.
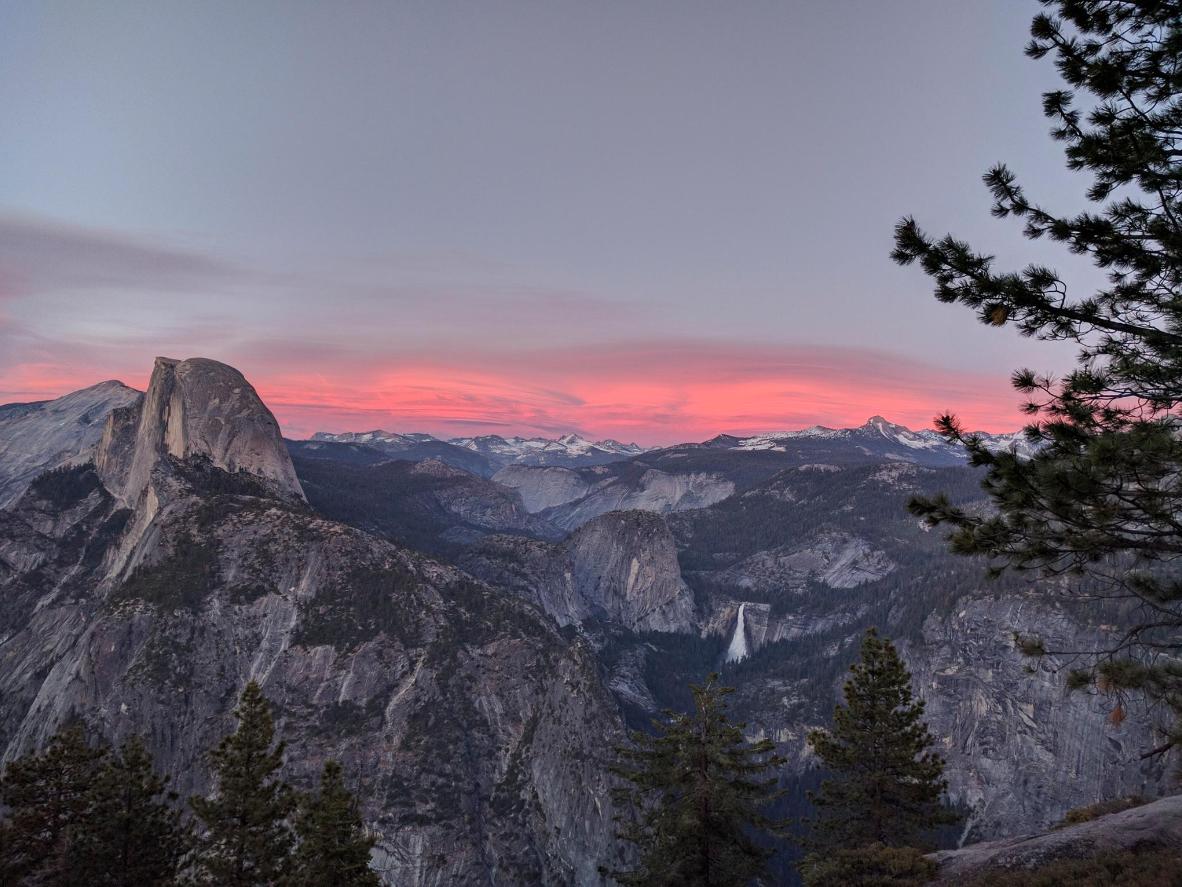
(142, 595)
(807, 535)
(35, 437)
(181, 547)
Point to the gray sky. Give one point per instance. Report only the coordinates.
(649, 220)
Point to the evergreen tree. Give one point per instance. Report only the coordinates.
(698, 794)
(47, 798)
(887, 784)
(247, 840)
(131, 835)
(1102, 496)
(334, 848)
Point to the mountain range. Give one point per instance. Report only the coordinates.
(471, 625)
(497, 451)
(573, 450)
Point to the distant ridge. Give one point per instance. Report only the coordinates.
(567, 450)
(575, 450)
(877, 428)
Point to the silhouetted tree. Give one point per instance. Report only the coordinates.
(131, 834)
(886, 785)
(47, 798)
(699, 789)
(334, 847)
(1102, 497)
(247, 840)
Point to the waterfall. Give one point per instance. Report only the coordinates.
(737, 651)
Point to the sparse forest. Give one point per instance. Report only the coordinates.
(82, 813)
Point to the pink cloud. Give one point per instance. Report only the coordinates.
(651, 392)
(657, 392)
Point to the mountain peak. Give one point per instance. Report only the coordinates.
(193, 407)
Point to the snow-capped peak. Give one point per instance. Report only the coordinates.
(570, 448)
(376, 436)
(878, 430)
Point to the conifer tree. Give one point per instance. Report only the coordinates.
(334, 847)
(47, 798)
(699, 791)
(247, 841)
(1101, 497)
(886, 784)
(131, 835)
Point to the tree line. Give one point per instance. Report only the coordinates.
(84, 814)
(693, 799)
(696, 792)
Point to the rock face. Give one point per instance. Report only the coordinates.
(475, 729)
(1153, 826)
(625, 564)
(542, 488)
(1019, 747)
(657, 491)
(35, 437)
(838, 560)
(194, 407)
(620, 567)
(429, 505)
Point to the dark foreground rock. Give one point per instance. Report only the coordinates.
(1153, 826)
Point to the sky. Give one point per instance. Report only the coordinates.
(651, 221)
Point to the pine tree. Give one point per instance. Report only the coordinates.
(887, 785)
(47, 798)
(699, 791)
(1101, 498)
(131, 835)
(334, 848)
(247, 840)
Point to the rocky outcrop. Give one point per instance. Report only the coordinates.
(1153, 826)
(35, 437)
(194, 407)
(625, 565)
(620, 567)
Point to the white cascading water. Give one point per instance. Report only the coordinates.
(737, 651)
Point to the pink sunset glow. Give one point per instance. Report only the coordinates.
(651, 393)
